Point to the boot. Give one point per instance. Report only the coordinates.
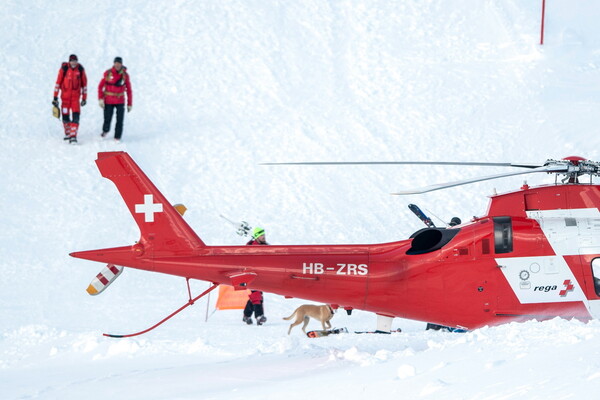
(247, 320)
(261, 320)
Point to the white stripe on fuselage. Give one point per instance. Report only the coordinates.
(541, 279)
(569, 240)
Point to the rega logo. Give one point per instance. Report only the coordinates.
(545, 288)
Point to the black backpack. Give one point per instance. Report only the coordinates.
(65, 67)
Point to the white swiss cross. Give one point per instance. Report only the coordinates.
(148, 208)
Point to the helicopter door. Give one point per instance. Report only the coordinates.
(595, 302)
(596, 274)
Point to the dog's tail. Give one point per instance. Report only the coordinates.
(291, 316)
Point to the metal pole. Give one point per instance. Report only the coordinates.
(207, 306)
(543, 17)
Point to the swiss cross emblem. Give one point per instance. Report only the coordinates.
(568, 288)
(148, 208)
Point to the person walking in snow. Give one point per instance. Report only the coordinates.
(255, 301)
(114, 86)
(72, 85)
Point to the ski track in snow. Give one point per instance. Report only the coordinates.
(220, 87)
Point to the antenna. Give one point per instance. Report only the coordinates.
(441, 220)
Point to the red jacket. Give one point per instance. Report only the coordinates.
(113, 86)
(72, 83)
(256, 297)
(253, 242)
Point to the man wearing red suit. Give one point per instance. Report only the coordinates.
(255, 301)
(72, 85)
(113, 88)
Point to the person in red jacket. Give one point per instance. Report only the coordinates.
(114, 86)
(72, 85)
(255, 301)
(258, 237)
(254, 304)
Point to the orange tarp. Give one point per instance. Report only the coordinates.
(230, 299)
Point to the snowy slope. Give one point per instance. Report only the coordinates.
(220, 87)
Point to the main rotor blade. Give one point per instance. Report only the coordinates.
(431, 188)
(484, 164)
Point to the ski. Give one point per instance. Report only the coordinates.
(421, 215)
(381, 332)
(321, 333)
(443, 328)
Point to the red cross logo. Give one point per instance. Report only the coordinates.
(148, 208)
(568, 288)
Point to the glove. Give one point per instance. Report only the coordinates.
(128, 108)
(83, 103)
(101, 103)
(55, 102)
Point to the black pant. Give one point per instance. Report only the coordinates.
(108, 113)
(65, 118)
(256, 308)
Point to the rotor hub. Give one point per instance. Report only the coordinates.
(573, 167)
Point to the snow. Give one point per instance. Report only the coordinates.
(220, 87)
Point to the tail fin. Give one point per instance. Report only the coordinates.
(162, 228)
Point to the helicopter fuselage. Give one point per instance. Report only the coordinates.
(531, 256)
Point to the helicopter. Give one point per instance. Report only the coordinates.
(535, 254)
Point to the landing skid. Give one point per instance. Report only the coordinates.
(189, 303)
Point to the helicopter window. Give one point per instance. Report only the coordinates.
(596, 273)
(570, 222)
(503, 235)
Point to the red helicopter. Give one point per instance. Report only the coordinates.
(534, 255)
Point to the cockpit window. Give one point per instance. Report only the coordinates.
(596, 273)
